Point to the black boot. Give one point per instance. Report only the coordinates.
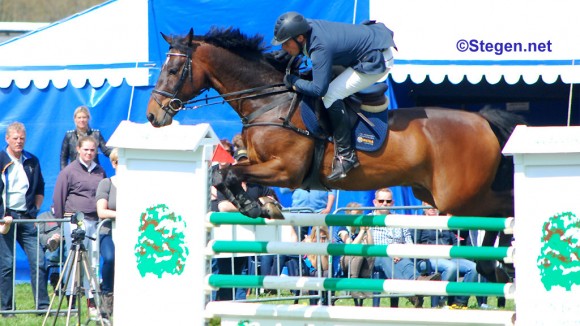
(345, 156)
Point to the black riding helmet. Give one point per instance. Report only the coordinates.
(289, 25)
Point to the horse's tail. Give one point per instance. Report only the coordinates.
(503, 124)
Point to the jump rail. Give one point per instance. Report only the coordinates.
(334, 249)
(233, 313)
(392, 220)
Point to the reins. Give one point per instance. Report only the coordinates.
(242, 92)
(175, 104)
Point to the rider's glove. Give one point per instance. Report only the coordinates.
(289, 80)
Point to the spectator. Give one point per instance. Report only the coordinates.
(5, 224)
(22, 186)
(318, 200)
(450, 269)
(357, 266)
(68, 150)
(395, 267)
(49, 238)
(107, 209)
(213, 191)
(75, 190)
(314, 265)
(238, 142)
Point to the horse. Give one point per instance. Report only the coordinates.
(450, 158)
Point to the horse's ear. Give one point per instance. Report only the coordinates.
(166, 38)
(190, 37)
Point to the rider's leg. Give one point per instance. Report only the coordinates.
(347, 83)
(346, 158)
(350, 81)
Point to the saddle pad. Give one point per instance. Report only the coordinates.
(365, 137)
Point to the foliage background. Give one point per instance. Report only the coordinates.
(42, 11)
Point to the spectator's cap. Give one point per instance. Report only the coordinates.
(240, 154)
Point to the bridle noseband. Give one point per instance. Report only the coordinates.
(175, 104)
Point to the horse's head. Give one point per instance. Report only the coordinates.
(178, 82)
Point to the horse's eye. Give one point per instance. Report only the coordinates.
(173, 71)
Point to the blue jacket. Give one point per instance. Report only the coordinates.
(35, 181)
(332, 43)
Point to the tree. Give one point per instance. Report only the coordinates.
(42, 11)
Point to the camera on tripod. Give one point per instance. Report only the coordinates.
(78, 234)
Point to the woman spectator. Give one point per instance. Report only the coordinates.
(357, 266)
(68, 151)
(75, 190)
(314, 265)
(107, 209)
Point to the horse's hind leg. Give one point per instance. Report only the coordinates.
(489, 268)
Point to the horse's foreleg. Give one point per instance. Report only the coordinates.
(226, 183)
(230, 186)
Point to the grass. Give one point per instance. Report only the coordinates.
(385, 302)
(24, 301)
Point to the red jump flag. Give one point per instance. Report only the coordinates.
(221, 155)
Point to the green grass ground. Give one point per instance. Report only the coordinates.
(24, 302)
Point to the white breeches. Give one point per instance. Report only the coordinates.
(351, 81)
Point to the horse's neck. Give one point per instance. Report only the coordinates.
(232, 73)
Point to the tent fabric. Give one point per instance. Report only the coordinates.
(105, 44)
(109, 57)
(488, 40)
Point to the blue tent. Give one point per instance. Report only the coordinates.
(109, 57)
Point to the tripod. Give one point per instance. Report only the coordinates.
(76, 262)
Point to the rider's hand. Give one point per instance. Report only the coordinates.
(289, 80)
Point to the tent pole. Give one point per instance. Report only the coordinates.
(570, 103)
(570, 98)
(132, 95)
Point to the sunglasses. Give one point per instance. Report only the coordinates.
(381, 201)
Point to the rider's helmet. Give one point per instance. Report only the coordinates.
(288, 25)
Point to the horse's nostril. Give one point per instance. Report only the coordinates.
(150, 117)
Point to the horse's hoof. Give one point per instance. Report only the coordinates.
(273, 211)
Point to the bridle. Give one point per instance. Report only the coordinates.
(175, 104)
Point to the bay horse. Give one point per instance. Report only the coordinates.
(450, 158)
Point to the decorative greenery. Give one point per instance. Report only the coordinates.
(161, 247)
(559, 259)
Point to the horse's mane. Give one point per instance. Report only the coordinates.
(249, 47)
(232, 39)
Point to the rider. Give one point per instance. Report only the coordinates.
(366, 51)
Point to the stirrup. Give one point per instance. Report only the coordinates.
(344, 165)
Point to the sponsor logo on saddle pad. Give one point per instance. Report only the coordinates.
(559, 259)
(365, 139)
(161, 246)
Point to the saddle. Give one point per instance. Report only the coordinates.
(368, 116)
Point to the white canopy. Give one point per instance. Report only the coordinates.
(105, 43)
(457, 39)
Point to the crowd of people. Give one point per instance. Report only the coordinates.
(82, 187)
